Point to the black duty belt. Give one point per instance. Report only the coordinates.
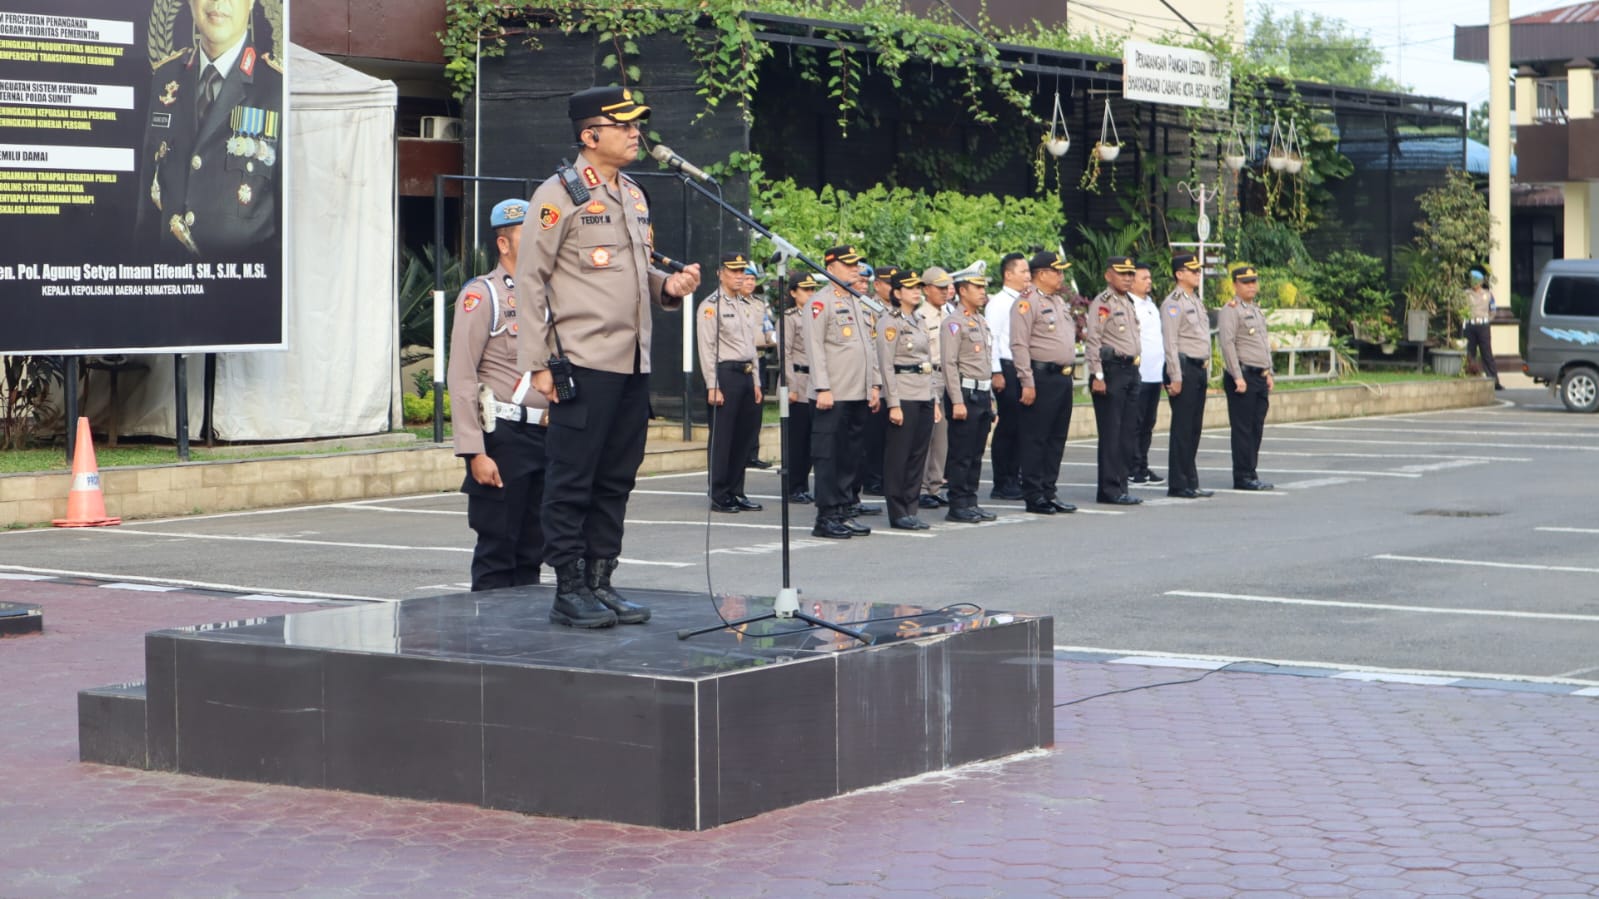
(1195, 360)
(1254, 370)
(1106, 354)
(919, 369)
(803, 369)
(745, 367)
(1046, 368)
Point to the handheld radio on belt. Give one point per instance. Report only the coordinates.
(560, 364)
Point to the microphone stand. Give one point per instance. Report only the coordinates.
(786, 605)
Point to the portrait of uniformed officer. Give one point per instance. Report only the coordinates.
(585, 279)
(1246, 357)
(1185, 335)
(905, 358)
(797, 374)
(938, 289)
(502, 442)
(1112, 345)
(211, 167)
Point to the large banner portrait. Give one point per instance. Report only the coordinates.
(142, 175)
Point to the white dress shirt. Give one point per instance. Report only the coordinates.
(1152, 358)
(998, 315)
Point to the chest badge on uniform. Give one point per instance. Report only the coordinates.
(891, 334)
(848, 331)
(633, 192)
(1172, 312)
(171, 96)
(548, 216)
(245, 195)
(1103, 313)
(595, 208)
(600, 256)
(817, 308)
(513, 329)
(162, 151)
(1251, 330)
(641, 207)
(470, 302)
(510, 302)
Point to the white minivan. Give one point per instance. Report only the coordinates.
(1563, 332)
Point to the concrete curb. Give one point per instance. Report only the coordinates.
(220, 486)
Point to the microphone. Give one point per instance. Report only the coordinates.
(664, 154)
(663, 261)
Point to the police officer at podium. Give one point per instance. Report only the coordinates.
(584, 276)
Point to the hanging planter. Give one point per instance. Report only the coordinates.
(1293, 162)
(1110, 141)
(1277, 150)
(1232, 153)
(1057, 141)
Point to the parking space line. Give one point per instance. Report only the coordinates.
(1462, 432)
(1313, 455)
(202, 585)
(1275, 471)
(1444, 443)
(1554, 530)
(373, 508)
(292, 541)
(1479, 563)
(1383, 607)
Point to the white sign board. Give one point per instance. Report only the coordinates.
(1176, 76)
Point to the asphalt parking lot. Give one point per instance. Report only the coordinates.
(1458, 542)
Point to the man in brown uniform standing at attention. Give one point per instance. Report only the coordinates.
(969, 368)
(1185, 334)
(845, 386)
(1246, 356)
(1112, 345)
(1043, 343)
(727, 331)
(504, 483)
(585, 277)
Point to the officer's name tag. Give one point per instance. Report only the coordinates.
(160, 120)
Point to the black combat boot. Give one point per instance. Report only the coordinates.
(575, 605)
(599, 581)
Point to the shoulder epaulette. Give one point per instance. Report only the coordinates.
(276, 66)
(169, 57)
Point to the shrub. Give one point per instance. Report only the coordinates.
(909, 228)
(419, 409)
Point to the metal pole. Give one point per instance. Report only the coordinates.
(438, 315)
(180, 378)
(688, 335)
(1499, 141)
(69, 386)
(782, 408)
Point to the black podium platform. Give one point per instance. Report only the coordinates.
(477, 698)
(17, 619)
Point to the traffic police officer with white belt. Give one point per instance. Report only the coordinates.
(969, 368)
(502, 442)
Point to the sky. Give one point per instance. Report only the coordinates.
(1418, 38)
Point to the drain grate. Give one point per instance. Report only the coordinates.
(1458, 513)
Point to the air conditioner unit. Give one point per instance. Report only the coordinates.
(438, 127)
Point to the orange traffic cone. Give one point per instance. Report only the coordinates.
(85, 502)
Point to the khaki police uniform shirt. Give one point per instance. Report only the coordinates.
(1241, 330)
(901, 341)
(966, 353)
(1185, 330)
(725, 334)
(839, 343)
(1479, 304)
(933, 319)
(1041, 330)
(795, 355)
(483, 351)
(1112, 325)
(589, 265)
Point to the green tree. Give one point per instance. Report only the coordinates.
(1477, 130)
(1314, 47)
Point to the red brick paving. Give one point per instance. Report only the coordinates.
(1239, 785)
